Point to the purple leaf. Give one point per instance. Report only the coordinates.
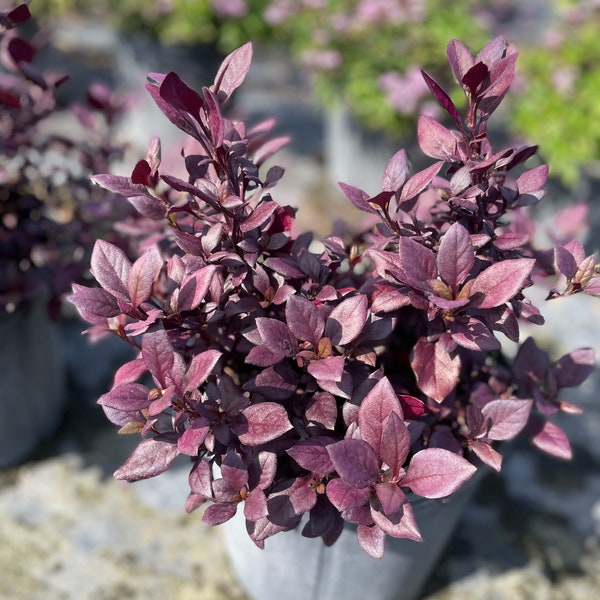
(304, 319)
(437, 473)
(373, 413)
(179, 95)
(219, 513)
(400, 525)
(395, 173)
(215, 120)
(266, 421)
(487, 454)
(418, 182)
(436, 368)
(201, 366)
(344, 496)
(574, 368)
(255, 505)
(200, 479)
(506, 418)
(358, 197)
(390, 496)
(327, 369)
(473, 334)
(233, 70)
(110, 266)
(158, 355)
(460, 58)
(565, 262)
(117, 184)
(127, 397)
(553, 440)
(148, 206)
(455, 256)
(395, 443)
(347, 320)
(195, 287)
(418, 264)
(151, 457)
(443, 99)
(96, 301)
(355, 461)
(501, 282)
(371, 540)
(142, 275)
(322, 410)
(191, 439)
(312, 455)
(435, 140)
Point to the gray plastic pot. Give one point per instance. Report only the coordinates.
(32, 382)
(298, 568)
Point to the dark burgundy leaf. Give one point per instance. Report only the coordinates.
(460, 58)
(355, 461)
(574, 368)
(442, 97)
(473, 334)
(179, 95)
(141, 172)
(195, 287)
(417, 263)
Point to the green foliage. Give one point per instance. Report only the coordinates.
(559, 106)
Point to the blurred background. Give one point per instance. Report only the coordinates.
(342, 78)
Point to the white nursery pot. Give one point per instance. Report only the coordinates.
(32, 382)
(298, 568)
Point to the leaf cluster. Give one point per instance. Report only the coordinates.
(340, 379)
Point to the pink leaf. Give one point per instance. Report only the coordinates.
(400, 525)
(126, 397)
(371, 540)
(200, 368)
(418, 264)
(455, 256)
(418, 182)
(195, 287)
(501, 282)
(304, 319)
(142, 275)
(266, 421)
(437, 473)
(553, 440)
(110, 266)
(346, 320)
(435, 140)
(506, 417)
(158, 355)
(233, 70)
(312, 455)
(358, 197)
(150, 458)
(344, 496)
(192, 438)
(487, 454)
(436, 368)
(373, 412)
(396, 172)
(95, 301)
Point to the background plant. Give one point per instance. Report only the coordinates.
(332, 379)
(50, 214)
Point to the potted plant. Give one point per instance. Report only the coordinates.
(50, 215)
(321, 386)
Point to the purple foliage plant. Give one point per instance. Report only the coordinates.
(346, 380)
(50, 213)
